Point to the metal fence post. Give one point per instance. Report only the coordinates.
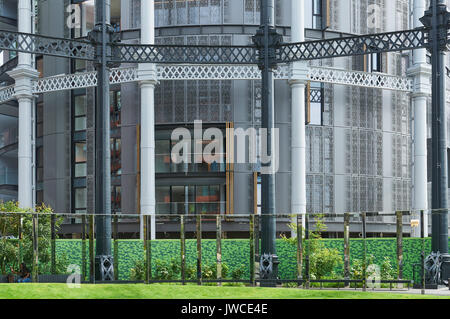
(400, 245)
(252, 249)
(148, 249)
(91, 249)
(83, 247)
(422, 236)
(199, 249)
(299, 249)
(183, 250)
(219, 248)
(34, 229)
(116, 248)
(53, 244)
(347, 247)
(363, 217)
(308, 242)
(20, 239)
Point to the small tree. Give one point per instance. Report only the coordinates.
(322, 260)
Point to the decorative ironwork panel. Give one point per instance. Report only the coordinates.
(223, 72)
(65, 82)
(185, 54)
(357, 78)
(38, 44)
(351, 46)
(7, 94)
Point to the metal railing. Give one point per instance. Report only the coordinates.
(305, 228)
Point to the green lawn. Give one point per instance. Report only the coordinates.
(160, 291)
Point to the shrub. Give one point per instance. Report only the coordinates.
(323, 261)
(165, 270)
(9, 243)
(137, 273)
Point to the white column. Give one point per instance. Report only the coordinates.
(421, 73)
(298, 131)
(24, 76)
(147, 78)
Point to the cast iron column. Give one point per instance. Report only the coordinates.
(102, 36)
(437, 18)
(267, 40)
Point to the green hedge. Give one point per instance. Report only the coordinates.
(235, 253)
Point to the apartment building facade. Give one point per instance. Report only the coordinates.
(359, 140)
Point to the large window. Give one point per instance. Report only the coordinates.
(204, 199)
(87, 19)
(164, 164)
(317, 14)
(182, 12)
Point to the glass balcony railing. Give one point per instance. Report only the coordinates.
(190, 208)
(164, 164)
(8, 176)
(8, 137)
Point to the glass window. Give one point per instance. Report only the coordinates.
(80, 152)
(116, 198)
(163, 159)
(39, 119)
(80, 198)
(317, 14)
(80, 170)
(375, 62)
(80, 105)
(80, 109)
(193, 12)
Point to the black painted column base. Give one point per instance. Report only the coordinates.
(104, 268)
(268, 270)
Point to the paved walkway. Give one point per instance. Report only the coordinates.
(444, 291)
(433, 292)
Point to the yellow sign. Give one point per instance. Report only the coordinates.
(415, 223)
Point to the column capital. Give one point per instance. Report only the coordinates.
(299, 73)
(421, 74)
(147, 74)
(24, 77)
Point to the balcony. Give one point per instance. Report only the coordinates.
(212, 208)
(8, 137)
(8, 177)
(8, 15)
(165, 165)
